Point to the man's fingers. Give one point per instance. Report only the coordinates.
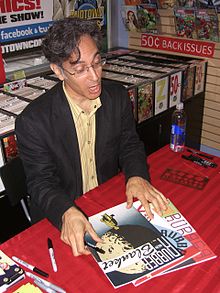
(146, 206)
(129, 200)
(158, 200)
(93, 234)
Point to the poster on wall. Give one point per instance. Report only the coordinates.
(23, 24)
(89, 9)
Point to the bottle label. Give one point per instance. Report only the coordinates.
(177, 130)
(177, 138)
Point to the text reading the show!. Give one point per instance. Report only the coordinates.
(20, 10)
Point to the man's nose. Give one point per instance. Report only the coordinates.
(92, 72)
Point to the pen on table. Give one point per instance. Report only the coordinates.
(100, 250)
(45, 288)
(51, 253)
(45, 283)
(30, 267)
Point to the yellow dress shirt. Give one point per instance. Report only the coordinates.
(85, 124)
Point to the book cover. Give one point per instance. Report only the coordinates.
(207, 25)
(165, 4)
(10, 272)
(186, 3)
(196, 250)
(129, 18)
(208, 4)
(175, 88)
(200, 77)
(132, 246)
(145, 102)
(148, 20)
(10, 147)
(161, 95)
(132, 93)
(185, 23)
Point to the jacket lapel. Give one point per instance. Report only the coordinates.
(66, 132)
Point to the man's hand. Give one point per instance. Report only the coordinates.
(141, 189)
(74, 227)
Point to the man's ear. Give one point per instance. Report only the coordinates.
(57, 70)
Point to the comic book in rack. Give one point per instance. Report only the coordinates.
(10, 272)
(207, 24)
(148, 18)
(132, 247)
(178, 224)
(129, 18)
(185, 22)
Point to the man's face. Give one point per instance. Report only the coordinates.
(87, 85)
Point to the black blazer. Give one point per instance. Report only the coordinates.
(48, 146)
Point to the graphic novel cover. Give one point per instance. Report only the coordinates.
(148, 20)
(164, 4)
(183, 234)
(200, 78)
(185, 23)
(132, 93)
(186, 3)
(10, 272)
(161, 95)
(209, 4)
(129, 17)
(207, 25)
(145, 102)
(132, 246)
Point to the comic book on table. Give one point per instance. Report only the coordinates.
(183, 233)
(10, 272)
(133, 248)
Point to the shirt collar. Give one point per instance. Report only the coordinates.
(77, 110)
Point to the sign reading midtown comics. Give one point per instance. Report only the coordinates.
(184, 46)
(23, 23)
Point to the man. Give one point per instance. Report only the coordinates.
(79, 134)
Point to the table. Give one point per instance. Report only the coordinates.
(81, 274)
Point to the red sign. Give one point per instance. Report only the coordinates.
(2, 69)
(184, 46)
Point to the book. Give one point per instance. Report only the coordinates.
(10, 272)
(185, 23)
(165, 4)
(148, 19)
(145, 102)
(186, 3)
(178, 224)
(129, 18)
(132, 246)
(10, 147)
(207, 24)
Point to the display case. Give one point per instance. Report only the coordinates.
(156, 83)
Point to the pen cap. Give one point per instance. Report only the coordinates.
(49, 243)
(42, 273)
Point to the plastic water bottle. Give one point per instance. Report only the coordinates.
(178, 129)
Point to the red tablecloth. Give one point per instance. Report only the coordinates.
(81, 274)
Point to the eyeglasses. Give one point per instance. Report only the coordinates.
(83, 69)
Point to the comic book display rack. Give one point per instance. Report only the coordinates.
(194, 19)
(14, 97)
(156, 82)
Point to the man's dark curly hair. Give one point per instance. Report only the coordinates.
(62, 38)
